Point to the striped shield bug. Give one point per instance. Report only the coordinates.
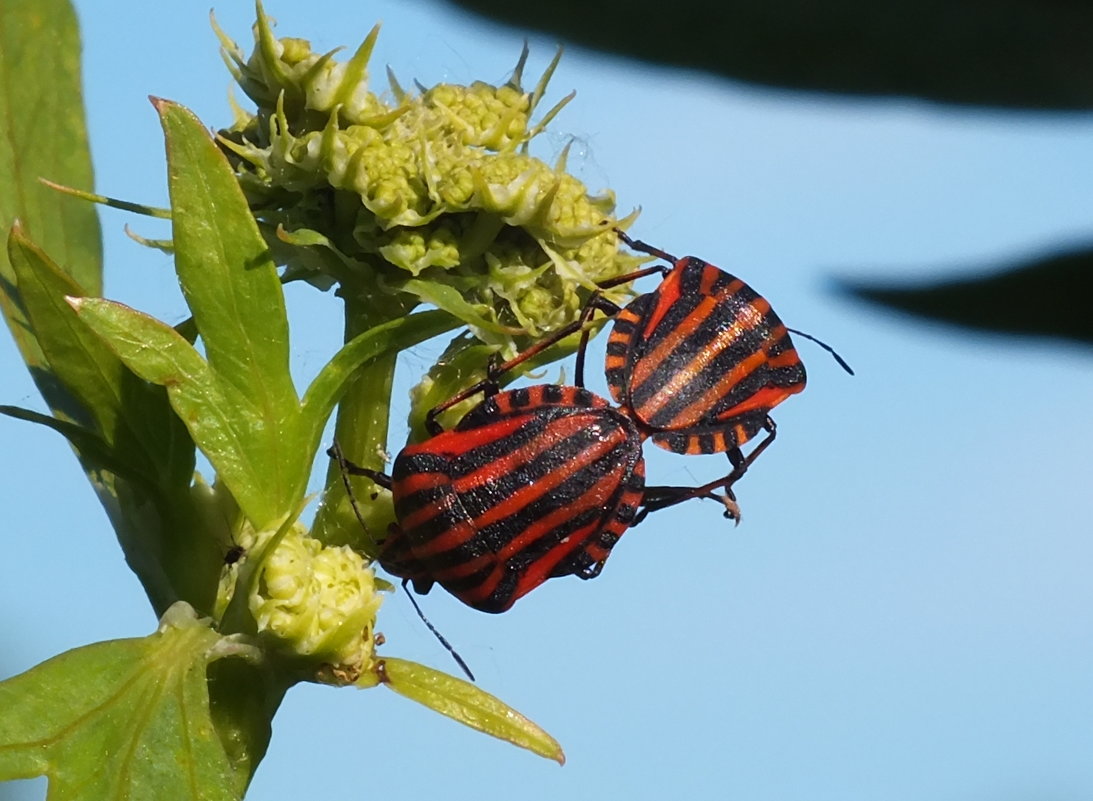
(699, 363)
(533, 483)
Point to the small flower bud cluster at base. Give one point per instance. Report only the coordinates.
(313, 600)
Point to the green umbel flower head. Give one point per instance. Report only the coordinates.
(428, 195)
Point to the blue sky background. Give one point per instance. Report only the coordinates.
(905, 612)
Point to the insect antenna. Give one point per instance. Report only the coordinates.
(825, 346)
(345, 467)
(455, 654)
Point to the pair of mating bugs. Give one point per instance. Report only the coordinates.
(542, 481)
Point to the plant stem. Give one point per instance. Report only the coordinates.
(361, 430)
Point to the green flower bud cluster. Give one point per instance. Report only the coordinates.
(429, 189)
(313, 600)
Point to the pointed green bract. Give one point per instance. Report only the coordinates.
(120, 720)
(232, 288)
(223, 264)
(112, 202)
(462, 701)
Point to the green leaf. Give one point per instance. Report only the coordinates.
(1046, 297)
(466, 703)
(230, 282)
(232, 288)
(222, 422)
(130, 415)
(1016, 53)
(123, 719)
(44, 136)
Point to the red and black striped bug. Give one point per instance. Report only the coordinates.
(699, 363)
(533, 483)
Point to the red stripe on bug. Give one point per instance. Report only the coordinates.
(766, 398)
(684, 379)
(699, 409)
(598, 495)
(514, 503)
(650, 362)
(502, 465)
(668, 293)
